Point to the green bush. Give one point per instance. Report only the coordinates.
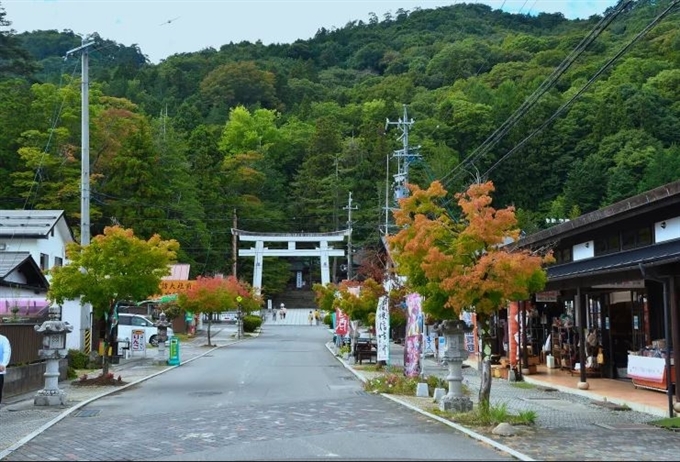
(398, 384)
(251, 323)
(328, 320)
(77, 359)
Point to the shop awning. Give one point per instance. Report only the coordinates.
(652, 255)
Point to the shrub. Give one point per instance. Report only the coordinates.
(251, 323)
(398, 384)
(77, 359)
(328, 320)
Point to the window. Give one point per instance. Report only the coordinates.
(606, 245)
(44, 261)
(636, 238)
(58, 261)
(562, 256)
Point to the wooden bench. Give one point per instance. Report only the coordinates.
(365, 350)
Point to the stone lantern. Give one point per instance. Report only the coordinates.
(54, 333)
(454, 355)
(162, 325)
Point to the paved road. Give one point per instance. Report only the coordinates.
(280, 396)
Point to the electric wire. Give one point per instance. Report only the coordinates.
(546, 85)
(562, 108)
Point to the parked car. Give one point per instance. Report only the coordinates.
(229, 317)
(127, 322)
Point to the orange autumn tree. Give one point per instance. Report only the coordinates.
(463, 264)
(216, 294)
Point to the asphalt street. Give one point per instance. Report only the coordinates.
(280, 396)
(283, 395)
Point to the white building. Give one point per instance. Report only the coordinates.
(32, 242)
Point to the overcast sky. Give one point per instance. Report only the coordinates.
(164, 27)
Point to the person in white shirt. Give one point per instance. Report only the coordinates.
(5, 353)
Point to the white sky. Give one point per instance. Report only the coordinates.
(198, 24)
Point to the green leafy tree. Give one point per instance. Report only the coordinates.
(116, 266)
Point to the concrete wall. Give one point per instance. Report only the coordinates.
(29, 378)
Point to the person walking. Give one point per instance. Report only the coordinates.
(317, 316)
(283, 311)
(274, 314)
(310, 317)
(5, 354)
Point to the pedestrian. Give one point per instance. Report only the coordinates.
(283, 311)
(274, 314)
(317, 316)
(310, 317)
(5, 353)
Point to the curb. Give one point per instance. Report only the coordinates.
(6, 452)
(484, 439)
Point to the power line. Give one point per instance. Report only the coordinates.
(546, 85)
(587, 85)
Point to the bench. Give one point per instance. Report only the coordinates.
(365, 350)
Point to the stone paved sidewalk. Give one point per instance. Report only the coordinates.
(568, 426)
(21, 421)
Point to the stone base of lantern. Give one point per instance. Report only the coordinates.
(50, 398)
(455, 404)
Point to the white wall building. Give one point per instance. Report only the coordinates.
(32, 242)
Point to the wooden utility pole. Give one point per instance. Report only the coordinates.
(234, 246)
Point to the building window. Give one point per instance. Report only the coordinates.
(58, 261)
(562, 256)
(44, 261)
(633, 238)
(607, 245)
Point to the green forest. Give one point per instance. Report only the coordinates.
(564, 116)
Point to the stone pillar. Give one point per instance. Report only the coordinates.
(454, 355)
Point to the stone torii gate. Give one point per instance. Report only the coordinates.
(323, 250)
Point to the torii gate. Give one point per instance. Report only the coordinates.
(323, 251)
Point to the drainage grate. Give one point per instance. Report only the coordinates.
(361, 393)
(205, 393)
(348, 377)
(624, 426)
(87, 413)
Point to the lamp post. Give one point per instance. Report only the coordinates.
(162, 326)
(454, 355)
(54, 333)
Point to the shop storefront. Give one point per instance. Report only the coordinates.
(616, 276)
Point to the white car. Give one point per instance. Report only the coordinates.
(127, 322)
(230, 317)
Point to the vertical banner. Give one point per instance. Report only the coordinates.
(513, 332)
(429, 344)
(342, 323)
(382, 329)
(414, 344)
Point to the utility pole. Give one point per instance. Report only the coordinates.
(349, 209)
(85, 317)
(405, 157)
(234, 246)
(84, 141)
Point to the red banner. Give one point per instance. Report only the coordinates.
(341, 322)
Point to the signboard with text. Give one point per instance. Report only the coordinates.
(170, 286)
(138, 342)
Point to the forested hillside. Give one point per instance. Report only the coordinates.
(565, 116)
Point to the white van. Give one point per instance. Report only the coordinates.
(129, 321)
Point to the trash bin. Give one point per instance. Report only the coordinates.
(173, 355)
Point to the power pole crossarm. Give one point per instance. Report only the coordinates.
(349, 209)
